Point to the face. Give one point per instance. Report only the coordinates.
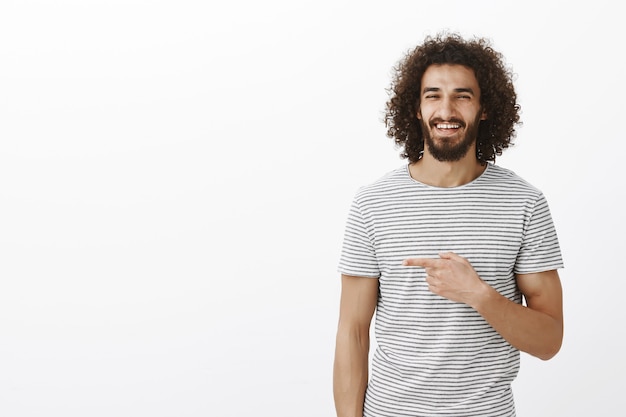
(449, 111)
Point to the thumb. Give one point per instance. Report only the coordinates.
(450, 255)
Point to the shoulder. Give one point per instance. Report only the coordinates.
(388, 184)
(506, 181)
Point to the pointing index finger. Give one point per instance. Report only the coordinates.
(423, 262)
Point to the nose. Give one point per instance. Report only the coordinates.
(446, 109)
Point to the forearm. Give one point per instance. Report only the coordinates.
(350, 373)
(528, 330)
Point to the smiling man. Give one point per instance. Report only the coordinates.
(457, 256)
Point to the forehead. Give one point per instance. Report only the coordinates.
(449, 76)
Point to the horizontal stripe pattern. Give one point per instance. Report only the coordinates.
(436, 357)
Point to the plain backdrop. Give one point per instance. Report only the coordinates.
(175, 177)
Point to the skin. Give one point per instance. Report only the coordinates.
(450, 96)
(359, 296)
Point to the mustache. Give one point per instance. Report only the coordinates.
(437, 120)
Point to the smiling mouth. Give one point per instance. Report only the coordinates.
(447, 130)
(445, 126)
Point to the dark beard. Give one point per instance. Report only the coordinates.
(446, 152)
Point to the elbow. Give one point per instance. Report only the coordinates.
(552, 342)
(546, 356)
(549, 351)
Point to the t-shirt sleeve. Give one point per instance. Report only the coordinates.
(358, 256)
(540, 250)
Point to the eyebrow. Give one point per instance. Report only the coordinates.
(456, 90)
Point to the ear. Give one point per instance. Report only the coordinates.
(419, 114)
(483, 116)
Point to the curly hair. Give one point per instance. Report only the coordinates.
(497, 94)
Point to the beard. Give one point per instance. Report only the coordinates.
(443, 149)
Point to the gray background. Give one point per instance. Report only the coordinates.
(175, 176)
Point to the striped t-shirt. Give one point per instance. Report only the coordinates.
(436, 357)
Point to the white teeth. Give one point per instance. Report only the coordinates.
(448, 126)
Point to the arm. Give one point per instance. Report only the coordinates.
(536, 328)
(359, 296)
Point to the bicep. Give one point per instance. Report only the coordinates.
(543, 292)
(359, 296)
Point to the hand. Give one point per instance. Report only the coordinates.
(450, 276)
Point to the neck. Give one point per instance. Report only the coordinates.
(430, 171)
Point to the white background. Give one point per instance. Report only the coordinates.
(175, 176)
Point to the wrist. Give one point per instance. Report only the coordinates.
(484, 296)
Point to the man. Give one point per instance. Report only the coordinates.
(457, 256)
